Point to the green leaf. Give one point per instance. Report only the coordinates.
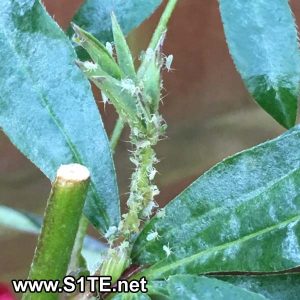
(18, 220)
(275, 287)
(95, 15)
(119, 95)
(93, 252)
(152, 84)
(31, 223)
(262, 39)
(149, 73)
(125, 60)
(47, 107)
(131, 296)
(97, 52)
(158, 289)
(203, 288)
(242, 215)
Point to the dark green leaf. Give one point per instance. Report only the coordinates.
(203, 288)
(158, 289)
(47, 108)
(242, 215)
(95, 15)
(262, 39)
(275, 287)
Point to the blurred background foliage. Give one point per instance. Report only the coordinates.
(209, 113)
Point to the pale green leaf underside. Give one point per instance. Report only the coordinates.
(242, 215)
(47, 107)
(262, 39)
(18, 220)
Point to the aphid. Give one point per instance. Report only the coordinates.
(109, 48)
(155, 190)
(168, 62)
(152, 173)
(134, 161)
(168, 250)
(143, 144)
(78, 39)
(152, 235)
(135, 131)
(104, 98)
(124, 245)
(90, 65)
(161, 213)
(148, 209)
(111, 231)
(128, 85)
(156, 120)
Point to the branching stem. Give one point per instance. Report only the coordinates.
(115, 137)
(163, 22)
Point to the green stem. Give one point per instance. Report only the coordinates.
(62, 216)
(161, 27)
(163, 22)
(142, 190)
(116, 134)
(76, 257)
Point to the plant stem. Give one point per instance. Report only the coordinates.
(147, 127)
(62, 216)
(142, 190)
(76, 257)
(163, 22)
(116, 134)
(161, 27)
